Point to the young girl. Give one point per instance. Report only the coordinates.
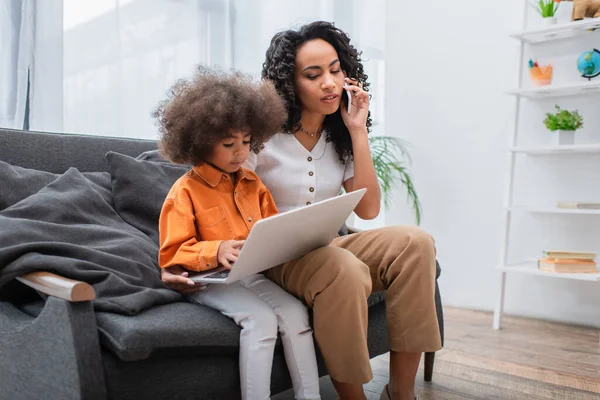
(212, 122)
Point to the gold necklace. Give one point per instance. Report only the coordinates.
(307, 132)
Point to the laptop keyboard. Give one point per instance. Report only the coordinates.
(219, 275)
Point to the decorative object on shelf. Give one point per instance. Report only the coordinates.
(588, 64)
(540, 76)
(565, 123)
(585, 8)
(547, 9)
(557, 32)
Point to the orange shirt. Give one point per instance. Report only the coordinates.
(203, 209)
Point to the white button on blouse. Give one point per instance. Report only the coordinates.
(297, 177)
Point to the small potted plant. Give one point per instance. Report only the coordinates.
(565, 123)
(547, 9)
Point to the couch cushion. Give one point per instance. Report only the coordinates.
(173, 325)
(176, 325)
(139, 189)
(54, 152)
(152, 155)
(24, 182)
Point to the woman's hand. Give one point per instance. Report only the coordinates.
(176, 278)
(365, 176)
(356, 120)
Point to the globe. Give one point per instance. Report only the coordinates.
(588, 64)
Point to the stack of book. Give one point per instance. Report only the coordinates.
(578, 205)
(573, 262)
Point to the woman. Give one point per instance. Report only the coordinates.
(323, 149)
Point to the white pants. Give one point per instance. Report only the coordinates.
(260, 307)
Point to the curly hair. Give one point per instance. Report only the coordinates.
(280, 67)
(198, 113)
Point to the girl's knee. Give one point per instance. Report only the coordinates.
(265, 321)
(294, 320)
(295, 311)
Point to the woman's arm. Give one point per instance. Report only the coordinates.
(364, 171)
(364, 177)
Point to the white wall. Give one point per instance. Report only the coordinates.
(448, 65)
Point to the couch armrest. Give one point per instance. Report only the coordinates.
(57, 286)
(438, 302)
(54, 355)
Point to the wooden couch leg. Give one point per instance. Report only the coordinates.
(429, 360)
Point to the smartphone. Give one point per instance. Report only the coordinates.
(349, 102)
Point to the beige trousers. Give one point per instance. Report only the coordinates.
(336, 280)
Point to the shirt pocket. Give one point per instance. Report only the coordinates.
(212, 224)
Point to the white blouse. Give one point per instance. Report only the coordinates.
(297, 177)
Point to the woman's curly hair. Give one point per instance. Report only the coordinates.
(280, 67)
(199, 112)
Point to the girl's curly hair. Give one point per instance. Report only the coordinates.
(199, 112)
(280, 66)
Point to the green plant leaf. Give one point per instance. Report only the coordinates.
(546, 8)
(389, 157)
(563, 120)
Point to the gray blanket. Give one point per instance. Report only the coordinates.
(70, 228)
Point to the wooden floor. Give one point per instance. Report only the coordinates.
(526, 359)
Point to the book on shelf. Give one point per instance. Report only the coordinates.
(567, 266)
(569, 255)
(576, 205)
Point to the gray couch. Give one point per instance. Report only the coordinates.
(58, 349)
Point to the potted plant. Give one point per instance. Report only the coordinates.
(565, 123)
(390, 158)
(547, 9)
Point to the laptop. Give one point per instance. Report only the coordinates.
(286, 236)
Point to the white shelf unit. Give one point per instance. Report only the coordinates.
(530, 268)
(582, 88)
(558, 150)
(548, 210)
(558, 32)
(572, 89)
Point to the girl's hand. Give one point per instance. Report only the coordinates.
(356, 120)
(229, 250)
(176, 278)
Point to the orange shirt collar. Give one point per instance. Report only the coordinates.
(213, 176)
